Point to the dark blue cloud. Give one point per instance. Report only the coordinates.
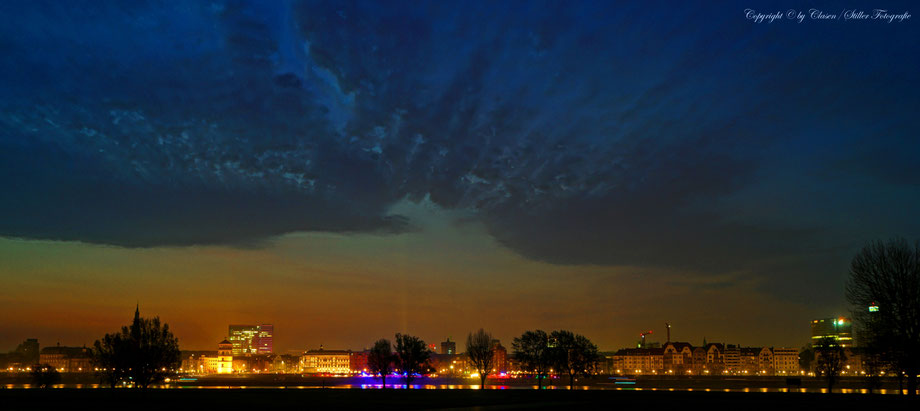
(582, 133)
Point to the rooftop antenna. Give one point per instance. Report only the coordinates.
(668, 325)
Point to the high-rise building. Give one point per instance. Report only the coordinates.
(251, 339)
(265, 339)
(840, 329)
(449, 347)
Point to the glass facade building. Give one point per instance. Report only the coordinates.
(840, 329)
(252, 339)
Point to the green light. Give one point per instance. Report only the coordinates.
(873, 308)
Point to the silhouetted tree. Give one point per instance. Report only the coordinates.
(411, 356)
(44, 375)
(143, 352)
(380, 359)
(830, 360)
(481, 352)
(574, 354)
(806, 357)
(532, 350)
(109, 358)
(886, 277)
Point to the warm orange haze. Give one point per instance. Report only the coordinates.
(345, 290)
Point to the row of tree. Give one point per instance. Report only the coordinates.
(536, 351)
(569, 353)
(411, 357)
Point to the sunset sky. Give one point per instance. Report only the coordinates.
(346, 172)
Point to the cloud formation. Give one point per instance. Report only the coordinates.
(581, 133)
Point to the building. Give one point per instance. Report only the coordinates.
(731, 358)
(449, 347)
(698, 365)
(755, 360)
(225, 357)
(251, 339)
(499, 357)
(67, 359)
(326, 361)
(358, 361)
(28, 352)
(199, 362)
(840, 329)
(785, 361)
(286, 363)
(638, 361)
(677, 357)
(266, 339)
(22, 358)
(450, 364)
(765, 361)
(714, 354)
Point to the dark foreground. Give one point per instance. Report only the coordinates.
(224, 399)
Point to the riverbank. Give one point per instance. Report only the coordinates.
(30, 399)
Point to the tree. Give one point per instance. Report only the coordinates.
(830, 360)
(108, 356)
(481, 352)
(532, 350)
(411, 356)
(143, 352)
(574, 353)
(884, 293)
(44, 375)
(806, 357)
(380, 359)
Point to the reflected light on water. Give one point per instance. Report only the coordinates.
(477, 387)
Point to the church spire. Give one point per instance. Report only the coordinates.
(137, 312)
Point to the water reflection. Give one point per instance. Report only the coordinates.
(477, 387)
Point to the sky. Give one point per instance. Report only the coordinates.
(350, 171)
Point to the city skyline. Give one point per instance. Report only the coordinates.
(348, 172)
(255, 343)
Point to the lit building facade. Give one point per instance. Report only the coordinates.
(677, 357)
(731, 357)
(840, 329)
(67, 359)
(638, 361)
(225, 357)
(200, 364)
(326, 361)
(358, 361)
(785, 361)
(450, 364)
(252, 339)
(266, 339)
